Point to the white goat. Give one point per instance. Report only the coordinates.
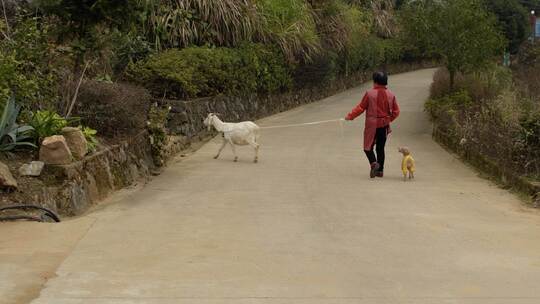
(241, 134)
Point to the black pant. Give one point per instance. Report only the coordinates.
(380, 141)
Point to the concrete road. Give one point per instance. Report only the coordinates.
(307, 225)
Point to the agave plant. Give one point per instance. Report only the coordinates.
(12, 135)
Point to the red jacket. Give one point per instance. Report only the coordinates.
(381, 109)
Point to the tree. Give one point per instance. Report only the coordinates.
(462, 33)
(514, 20)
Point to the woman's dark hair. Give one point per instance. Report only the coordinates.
(380, 78)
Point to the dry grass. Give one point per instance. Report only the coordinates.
(383, 13)
(115, 110)
(482, 85)
(500, 123)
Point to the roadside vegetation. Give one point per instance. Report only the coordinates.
(480, 106)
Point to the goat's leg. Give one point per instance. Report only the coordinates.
(221, 149)
(234, 151)
(256, 160)
(255, 146)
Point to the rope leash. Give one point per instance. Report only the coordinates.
(340, 120)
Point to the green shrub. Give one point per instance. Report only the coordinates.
(203, 71)
(393, 50)
(266, 66)
(365, 53)
(128, 48)
(189, 73)
(48, 123)
(449, 104)
(24, 65)
(91, 139)
(82, 22)
(319, 71)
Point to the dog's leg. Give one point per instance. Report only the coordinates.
(411, 175)
(405, 177)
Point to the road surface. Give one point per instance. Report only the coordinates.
(305, 225)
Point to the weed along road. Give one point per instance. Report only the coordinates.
(306, 224)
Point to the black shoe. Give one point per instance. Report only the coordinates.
(379, 173)
(374, 168)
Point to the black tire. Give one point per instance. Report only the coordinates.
(47, 216)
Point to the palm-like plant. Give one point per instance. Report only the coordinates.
(383, 17)
(332, 26)
(12, 135)
(291, 25)
(180, 23)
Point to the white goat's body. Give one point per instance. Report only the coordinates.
(240, 134)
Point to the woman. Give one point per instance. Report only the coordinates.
(381, 109)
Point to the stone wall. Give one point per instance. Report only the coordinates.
(71, 189)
